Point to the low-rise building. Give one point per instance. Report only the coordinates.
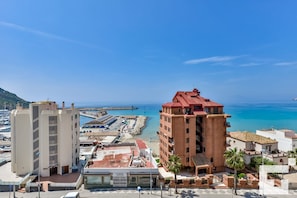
(121, 165)
(253, 145)
(287, 139)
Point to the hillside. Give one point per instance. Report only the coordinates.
(9, 100)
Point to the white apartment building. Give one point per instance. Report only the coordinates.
(45, 139)
(287, 139)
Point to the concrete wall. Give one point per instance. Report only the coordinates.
(22, 143)
(240, 145)
(284, 143)
(251, 182)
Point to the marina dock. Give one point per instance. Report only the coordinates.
(108, 108)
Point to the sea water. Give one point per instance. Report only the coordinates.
(244, 117)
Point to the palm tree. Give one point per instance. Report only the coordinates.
(234, 159)
(174, 165)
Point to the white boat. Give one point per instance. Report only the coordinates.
(5, 149)
(5, 128)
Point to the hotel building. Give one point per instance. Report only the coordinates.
(194, 128)
(45, 139)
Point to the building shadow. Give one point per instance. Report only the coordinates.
(252, 195)
(188, 193)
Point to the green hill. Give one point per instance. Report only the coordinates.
(9, 100)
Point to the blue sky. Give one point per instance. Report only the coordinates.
(131, 52)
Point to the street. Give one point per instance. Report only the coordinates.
(133, 193)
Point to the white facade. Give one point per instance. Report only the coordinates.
(287, 139)
(45, 139)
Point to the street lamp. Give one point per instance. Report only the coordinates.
(139, 189)
(161, 187)
(262, 171)
(38, 154)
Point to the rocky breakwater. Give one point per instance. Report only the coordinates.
(139, 125)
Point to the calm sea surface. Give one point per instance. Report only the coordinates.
(244, 117)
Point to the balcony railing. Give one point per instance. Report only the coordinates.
(228, 124)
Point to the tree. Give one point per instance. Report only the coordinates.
(293, 154)
(234, 159)
(174, 165)
(257, 161)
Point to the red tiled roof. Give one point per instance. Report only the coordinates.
(141, 144)
(115, 161)
(187, 98)
(192, 97)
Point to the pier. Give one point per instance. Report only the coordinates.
(88, 115)
(107, 108)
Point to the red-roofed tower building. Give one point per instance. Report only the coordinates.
(194, 128)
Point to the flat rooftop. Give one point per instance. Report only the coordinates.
(123, 156)
(8, 176)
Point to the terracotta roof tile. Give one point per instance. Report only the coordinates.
(188, 98)
(251, 137)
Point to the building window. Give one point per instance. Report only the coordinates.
(52, 119)
(211, 159)
(35, 144)
(35, 134)
(187, 140)
(197, 108)
(169, 120)
(35, 112)
(188, 149)
(36, 164)
(133, 180)
(188, 159)
(187, 120)
(187, 130)
(52, 129)
(203, 149)
(106, 179)
(35, 124)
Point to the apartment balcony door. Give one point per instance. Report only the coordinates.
(53, 171)
(65, 170)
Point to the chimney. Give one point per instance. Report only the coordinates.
(195, 90)
(72, 106)
(63, 105)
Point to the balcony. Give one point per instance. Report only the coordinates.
(199, 138)
(170, 151)
(227, 124)
(170, 142)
